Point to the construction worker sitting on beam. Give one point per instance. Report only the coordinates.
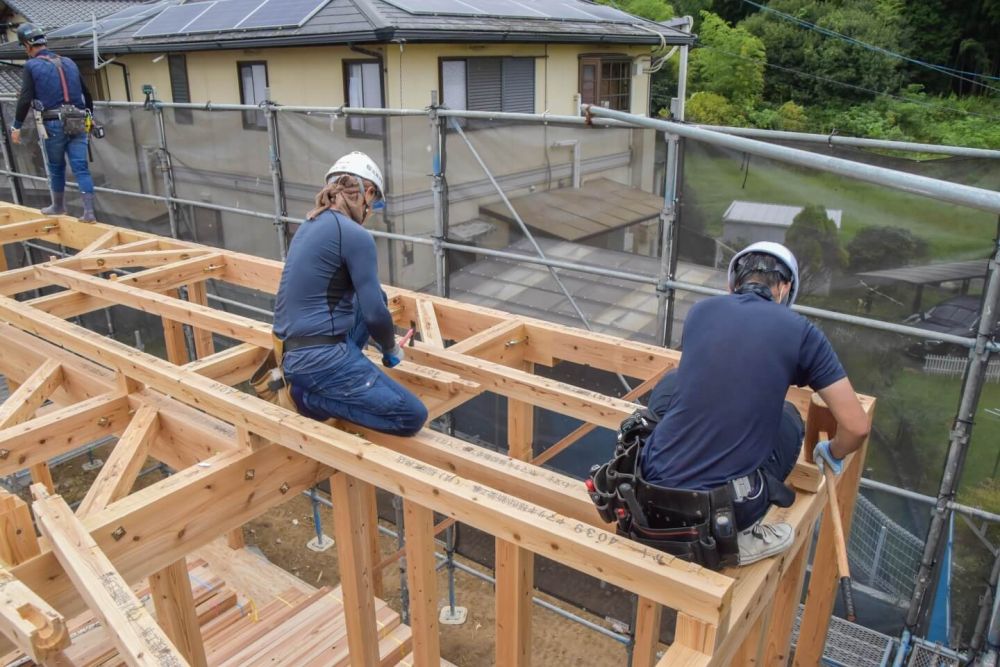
(696, 472)
(330, 303)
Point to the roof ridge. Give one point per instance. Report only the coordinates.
(371, 13)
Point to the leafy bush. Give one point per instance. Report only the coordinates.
(814, 239)
(713, 109)
(883, 247)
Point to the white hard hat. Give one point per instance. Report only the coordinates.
(360, 165)
(776, 250)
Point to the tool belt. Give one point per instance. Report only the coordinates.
(696, 526)
(268, 381)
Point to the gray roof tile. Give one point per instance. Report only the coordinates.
(49, 14)
(10, 80)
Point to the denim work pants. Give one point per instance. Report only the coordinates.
(58, 147)
(778, 465)
(339, 381)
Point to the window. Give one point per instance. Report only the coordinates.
(363, 88)
(606, 82)
(253, 90)
(489, 84)
(179, 88)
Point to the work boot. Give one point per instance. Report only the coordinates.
(763, 540)
(58, 206)
(88, 208)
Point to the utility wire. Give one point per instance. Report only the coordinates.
(820, 77)
(942, 69)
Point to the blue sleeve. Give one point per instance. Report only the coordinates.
(359, 254)
(818, 366)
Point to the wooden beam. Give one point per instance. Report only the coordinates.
(430, 332)
(354, 558)
(54, 433)
(778, 638)
(230, 366)
(122, 468)
(17, 531)
(594, 551)
(170, 589)
(586, 405)
(108, 238)
(28, 621)
(503, 343)
(146, 259)
(421, 577)
(138, 639)
(23, 403)
(147, 298)
(141, 535)
(160, 279)
(584, 429)
(647, 632)
(40, 228)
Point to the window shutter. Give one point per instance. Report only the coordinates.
(179, 89)
(518, 85)
(485, 84)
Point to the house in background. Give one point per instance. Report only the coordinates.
(755, 221)
(548, 56)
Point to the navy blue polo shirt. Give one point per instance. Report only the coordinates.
(741, 353)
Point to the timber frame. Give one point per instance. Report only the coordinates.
(237, 456)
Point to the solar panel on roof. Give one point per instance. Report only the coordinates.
(282, 13)
(567, 10)
(173, 20)
(224, 15)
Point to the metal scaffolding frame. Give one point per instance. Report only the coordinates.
(980, 347)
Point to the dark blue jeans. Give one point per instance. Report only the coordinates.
(58, 147)
(778, 465)
(339, 381)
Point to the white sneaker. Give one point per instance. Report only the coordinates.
(763, 540)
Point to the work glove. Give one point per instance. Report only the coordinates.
(392, 358)
(823, 456)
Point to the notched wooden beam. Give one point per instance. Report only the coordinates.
(37, 629)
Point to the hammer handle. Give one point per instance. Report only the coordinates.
(840, 542)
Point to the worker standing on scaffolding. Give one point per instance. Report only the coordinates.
(724, 441)
(330, 303)
(55, 86)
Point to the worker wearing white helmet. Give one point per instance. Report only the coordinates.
(724, 427)
(330, 304)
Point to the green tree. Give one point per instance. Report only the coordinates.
(828, 59)
(815, 240)
(883, 247)
(730, 62)
(713, 109)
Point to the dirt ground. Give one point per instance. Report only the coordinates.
(282, 533)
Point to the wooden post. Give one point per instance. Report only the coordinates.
(421, 576)
(204, 345)
(354, 555)
(17, 532)
(175, 611)
(823, 580)
(786, 604)
(173, 337)
(647, 633)
(515, 567)
(750, 653)
(369, 509)
(139, 640)
(41, 474)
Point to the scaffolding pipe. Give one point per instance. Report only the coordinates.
(987, 608)
(277, 177)
(439, 191)
(168, 171)
(961, 434)
(8, 161)
(854, 142)
(954, 193)
(959, 508)
(671, 245)
(527, 233)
